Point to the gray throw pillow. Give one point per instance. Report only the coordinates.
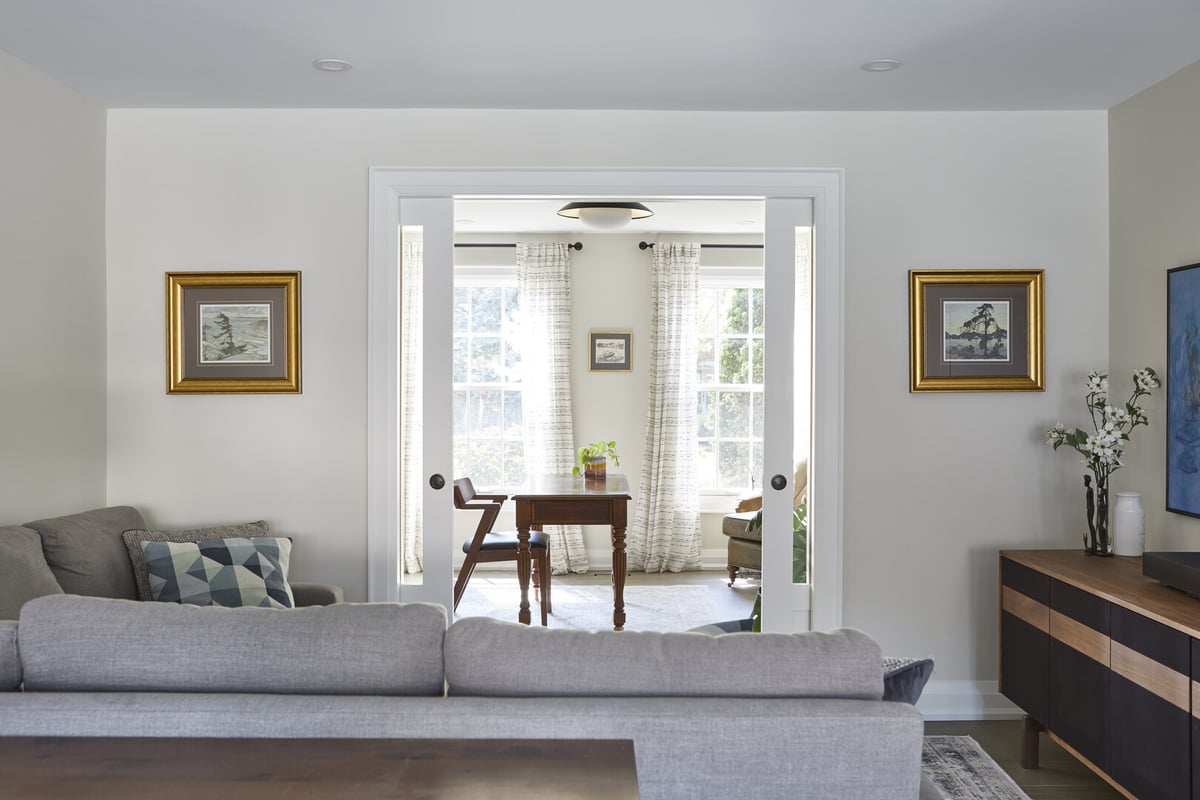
(134, 538)
(24, 573)
(225, 572)
(904, 678)
(86, 554)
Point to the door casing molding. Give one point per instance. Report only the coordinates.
(389, 185)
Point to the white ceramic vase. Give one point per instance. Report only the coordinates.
(1129, 525)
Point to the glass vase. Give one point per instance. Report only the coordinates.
(1097, 541)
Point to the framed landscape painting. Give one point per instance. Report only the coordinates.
(233, 332)
(610, 352)
(1183, 390)
(976, 331)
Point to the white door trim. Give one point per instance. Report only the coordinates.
(389, 184)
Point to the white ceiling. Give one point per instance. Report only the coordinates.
(617, 54)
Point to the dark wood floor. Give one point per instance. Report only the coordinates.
(1060, 776)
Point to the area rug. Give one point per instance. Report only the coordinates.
(961, 770)
(647, 608)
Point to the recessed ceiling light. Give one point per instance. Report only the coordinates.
(747, 222)
(331, 65)
(464, 222)
(881, 65)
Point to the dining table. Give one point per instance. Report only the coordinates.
(573, 500)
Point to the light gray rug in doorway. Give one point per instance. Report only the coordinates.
(961, 770)
(647, 608)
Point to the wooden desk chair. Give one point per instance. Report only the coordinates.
(488, 545)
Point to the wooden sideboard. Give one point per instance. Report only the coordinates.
(1107, 662)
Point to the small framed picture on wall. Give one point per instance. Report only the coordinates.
(976, 330)
(610, 351)
(233, 332)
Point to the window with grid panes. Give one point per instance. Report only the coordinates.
(488, 443)
(730, 385)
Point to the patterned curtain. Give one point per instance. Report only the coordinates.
(544, 282)
(411, 268)
(665, 533)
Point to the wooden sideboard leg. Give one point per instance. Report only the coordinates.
(1029, 743)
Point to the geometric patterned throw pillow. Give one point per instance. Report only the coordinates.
(134, 538)
(221, 572)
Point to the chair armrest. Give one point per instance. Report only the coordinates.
(499, 498)
(316, 594)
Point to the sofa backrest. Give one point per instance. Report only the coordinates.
(70, 643)
(24, 573)
(486, 657)
(10, 657)
(86, 553)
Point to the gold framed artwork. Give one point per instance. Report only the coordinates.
(610, 351)
(233, 332)
(976, 330)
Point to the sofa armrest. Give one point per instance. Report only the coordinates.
(316, 594)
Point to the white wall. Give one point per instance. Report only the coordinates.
(52, 391)
(1155, 190)
(934, 485)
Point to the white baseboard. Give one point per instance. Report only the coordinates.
(954, 700)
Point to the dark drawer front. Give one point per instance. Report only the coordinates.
(1149, 706)
(1025, 638)
(1079, 671)
(1029, 582)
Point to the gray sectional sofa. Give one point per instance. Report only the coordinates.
(811, 725)
(85, 554)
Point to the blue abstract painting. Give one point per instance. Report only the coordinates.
(1183, 390)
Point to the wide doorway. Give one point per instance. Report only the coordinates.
(749, 436)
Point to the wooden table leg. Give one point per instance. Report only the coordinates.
(618, 578)
(1029, 742)
(524, 569)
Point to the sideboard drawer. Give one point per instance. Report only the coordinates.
(1025, 638)
(1150, 707)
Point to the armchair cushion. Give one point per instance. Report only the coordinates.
(86, 554)
(223, 572)
(24, 573)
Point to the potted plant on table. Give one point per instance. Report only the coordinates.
(592, 459)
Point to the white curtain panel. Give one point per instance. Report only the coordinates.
(411, 269)
(544, 282)
(665, 533)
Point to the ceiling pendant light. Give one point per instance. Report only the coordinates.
(605, 216)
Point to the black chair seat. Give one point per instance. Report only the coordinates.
(507, 541)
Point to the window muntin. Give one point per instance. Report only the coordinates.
(488, 424)
(729, 373)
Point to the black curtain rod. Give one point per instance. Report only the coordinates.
(571, 246)
(648, 245)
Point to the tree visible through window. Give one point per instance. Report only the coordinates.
(488, 444)
(730, 384)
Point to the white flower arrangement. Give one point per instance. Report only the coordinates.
(1103, 449)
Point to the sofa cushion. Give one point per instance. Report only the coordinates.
(487, 657)
(85, 551)
(133, 544)
(90, 644)
(223, 572)
(24, 573)
(10, 656)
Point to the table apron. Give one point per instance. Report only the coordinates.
(576, 511)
